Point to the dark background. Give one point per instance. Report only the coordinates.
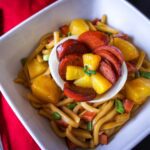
(144, 7)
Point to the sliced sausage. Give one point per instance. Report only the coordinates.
(64, 29)
(122, 36)
(113, 50)
(107, 71)
(95, 21)
(112, 59)
(131, 67)
(71, 46)
(94, 39)
(73, 59)
(61, 123)
(79, 94)
(71, 146)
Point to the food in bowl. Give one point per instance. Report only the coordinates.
(86, 65)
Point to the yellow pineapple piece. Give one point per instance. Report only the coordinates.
(74, 72)
(36, 68)
(91, 60)
(78, 26)
(129, 50)
(85, 82)
(138, 90)
(100, 84)
(45, 89)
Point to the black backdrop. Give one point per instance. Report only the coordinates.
(144, 7)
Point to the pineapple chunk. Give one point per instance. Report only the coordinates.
(129, 50)
(74, 72)
(91, 60)
(36, 68)
(45, 89)
(78, 26)
(100, 84)
(138, 90)
(85, 82)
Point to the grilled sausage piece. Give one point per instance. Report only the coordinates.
(72, 59)
(114, 50)
(107, 71)
(112, 59)
(71, 46)
(94, 39)
(79, 94)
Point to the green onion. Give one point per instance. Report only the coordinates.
(72, 106)
(119, 106)
(91, 72)
(23, 61)
(45, 57)
(69, 34)
(56, 116)
(89, 126)
(145, 74)
(85, 68)
(88, 72)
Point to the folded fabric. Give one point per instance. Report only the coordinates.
(13, 12)
(13, 135)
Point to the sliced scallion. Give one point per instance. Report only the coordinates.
(145, 74)
(89, 126)
(87, 71)
(56, 116)
(119, 106)
(46, 57)
(72, 106)
(69, 34)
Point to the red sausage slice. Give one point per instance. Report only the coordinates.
(73, 59)
(113, 50)
(79, 94)
(94, 39)
(71, 46)
(131, 67)
(95, 21)
(112, 59)
(88, 116)
(122, 36)
(64, 29)
(107, 71)
(71, 146)
(62, 123)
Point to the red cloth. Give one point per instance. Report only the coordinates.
(14, 136)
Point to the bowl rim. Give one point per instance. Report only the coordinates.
(4, 92)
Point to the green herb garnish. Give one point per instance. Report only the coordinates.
(72, 106)
(145, 74)
(85, 68)
(119, 106)
(23, 61)
(46, 57)
(91, 72)
(56, 116)
(69, 34)
(87, 71)
(89, 126)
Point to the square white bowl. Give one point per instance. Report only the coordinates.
(21, 40)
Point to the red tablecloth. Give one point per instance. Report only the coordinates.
(14, 136)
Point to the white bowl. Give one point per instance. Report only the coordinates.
(21, 40)
(54, 67)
